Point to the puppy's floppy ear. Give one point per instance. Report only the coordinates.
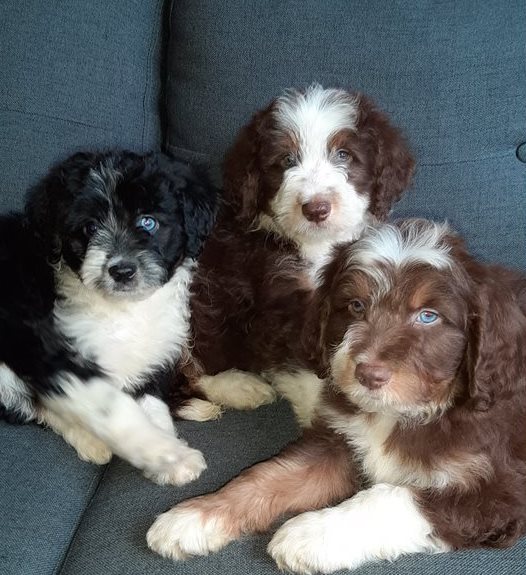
(314, 334)
(392, 163)
(47, 202)
(313, 339)
(199, 205)
(496, 362)
(241, 170)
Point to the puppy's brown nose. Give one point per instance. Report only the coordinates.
(316, 210)
(372, 375)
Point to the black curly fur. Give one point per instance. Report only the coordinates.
(50, 230)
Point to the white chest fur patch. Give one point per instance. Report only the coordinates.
(14, 394)
(367, 435)
(128, 339)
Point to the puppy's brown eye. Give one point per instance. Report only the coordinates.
(357, 307)
(343, 155)
(289, 161)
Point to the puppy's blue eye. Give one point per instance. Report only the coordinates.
(427, 316)
(148, 224)
(343, 155)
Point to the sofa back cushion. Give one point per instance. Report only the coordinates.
(75, 75)
(451, 74)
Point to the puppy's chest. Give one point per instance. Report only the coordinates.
(367, 436)
(379, 461)
(128, 340)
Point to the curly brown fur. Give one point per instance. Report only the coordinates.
(421, 422)
(455, 387)
(307, 172)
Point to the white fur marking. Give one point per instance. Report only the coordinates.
(158, 412)
(105, 177)
(391, 244)
(88, 447)
(15, 395)
(367, 435)
(118, 421)
(181, 533)
(200, 410)
(382, 522)
(302, 389)
(237, 389)
(127, 338)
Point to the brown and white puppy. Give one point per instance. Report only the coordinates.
(313, 166)
(420, 439)
(307, 172)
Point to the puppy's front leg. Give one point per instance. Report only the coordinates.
(118, 421)
(382, 522)
(311, 473)
(88, 447)
(236, 389)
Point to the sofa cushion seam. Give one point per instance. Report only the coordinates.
(154, 41)
(470, 160)
(51, 117)
(60, 564)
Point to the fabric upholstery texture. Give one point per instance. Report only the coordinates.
(75, 75)
(89, 74)
(451, 74)
(111, 538)
(44, 490)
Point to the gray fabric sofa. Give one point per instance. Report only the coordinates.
(183, 76)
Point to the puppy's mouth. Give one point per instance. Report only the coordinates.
(120, 289)
(371, 400)
(313, 227)
(380, 394)
(133, 289)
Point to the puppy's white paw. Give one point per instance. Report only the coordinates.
(178, 468)
(91, 449)
(200, 410)
(186, 530)
(303, 545)
(302, 388)
(379, 523)
(88, 447)
(237, 390)
(252, 393)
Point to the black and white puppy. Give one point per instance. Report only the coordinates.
(94, 305)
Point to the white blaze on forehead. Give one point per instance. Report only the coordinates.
(315, 116)
(312, 118)
(415, 241)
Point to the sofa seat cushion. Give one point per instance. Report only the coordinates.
(110, 539)
(44, 490)
(112, 536)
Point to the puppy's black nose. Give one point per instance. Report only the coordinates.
(316, 210)
(372, 375)
(123, 271)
